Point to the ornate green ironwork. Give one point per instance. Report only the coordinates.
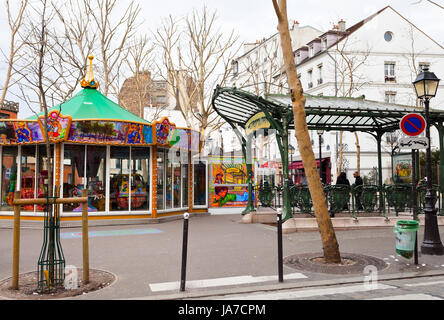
(398, 196)
(51, 263)
(266, 195)
(338, 196)
(304, 201)
(367, 196)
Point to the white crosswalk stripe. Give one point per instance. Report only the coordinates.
(412, 296)
(284, 295)
(227, 281)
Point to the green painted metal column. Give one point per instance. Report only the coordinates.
(284, 156)
(246, 152)
(381, 191)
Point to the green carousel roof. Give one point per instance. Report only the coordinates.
(91, 104)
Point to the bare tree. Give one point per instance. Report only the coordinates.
(328, 237)
(351, 81)
(113, 34)
(15, 45)
(139, 61)
(197, 56)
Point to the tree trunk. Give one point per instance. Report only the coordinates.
(329, 242)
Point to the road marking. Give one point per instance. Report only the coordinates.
(108, 233)
(413, 296)
(308, 293)
(424, 283)
(227, 281)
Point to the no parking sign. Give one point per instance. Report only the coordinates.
(412, 124)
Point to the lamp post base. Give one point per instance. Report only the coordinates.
(432, 243)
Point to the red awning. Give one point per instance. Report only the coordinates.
(299, 165)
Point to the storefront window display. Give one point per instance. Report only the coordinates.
(28, 186)
(119, 178)
(140, 180)
(9, 177)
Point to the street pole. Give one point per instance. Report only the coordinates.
(184, 251)
(432, 242)
(414, 202)
(280, 255)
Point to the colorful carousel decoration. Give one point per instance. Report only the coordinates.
(86, 133)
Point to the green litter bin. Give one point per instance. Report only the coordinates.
(405, 231)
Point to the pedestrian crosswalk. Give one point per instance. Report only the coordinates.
(220, 282)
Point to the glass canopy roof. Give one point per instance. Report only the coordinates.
(328, 113)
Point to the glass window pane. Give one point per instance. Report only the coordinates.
(9, 176)
(140, 181)
(177, 184)
(160, 179)
(200, 183)
(73, 174)
(27, 185)
(185, 185)
(96, 177)
(119, 174)
(42, 172)
(169, 183)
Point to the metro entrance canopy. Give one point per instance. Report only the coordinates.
(237, 107)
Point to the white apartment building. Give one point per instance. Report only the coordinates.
(377, 58)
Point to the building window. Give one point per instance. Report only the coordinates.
(160, 99)
(390, 97)
(298, 58)
(235, 68)
(310, 78)
(389, 71)
(311, 50)
(320, 74)
(324, 43)
(388, 36)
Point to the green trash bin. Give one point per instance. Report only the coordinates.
(405, 231)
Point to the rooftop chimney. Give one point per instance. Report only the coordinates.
(341, 25)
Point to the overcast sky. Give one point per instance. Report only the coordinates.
(255, 19)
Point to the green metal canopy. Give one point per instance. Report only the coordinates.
(328, 113)
(91, 104)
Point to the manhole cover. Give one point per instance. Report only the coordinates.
(350, 263)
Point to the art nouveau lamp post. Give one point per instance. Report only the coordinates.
(291, 151)
(320, 133)
(426, 85)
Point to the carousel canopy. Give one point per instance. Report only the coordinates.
(91, 104)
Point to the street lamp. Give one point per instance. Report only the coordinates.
(291, 151)
(320, 133)
(426, 85)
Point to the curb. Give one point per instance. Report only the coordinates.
(286, 286)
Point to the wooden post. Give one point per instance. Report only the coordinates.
(85, 238)
(16, 245)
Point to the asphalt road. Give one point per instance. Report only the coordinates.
(223, 255)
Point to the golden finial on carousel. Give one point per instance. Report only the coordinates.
(90, 83)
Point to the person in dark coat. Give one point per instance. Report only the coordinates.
(358, 182)
(342, 179)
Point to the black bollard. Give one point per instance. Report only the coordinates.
(184, 251)
(279, 233)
